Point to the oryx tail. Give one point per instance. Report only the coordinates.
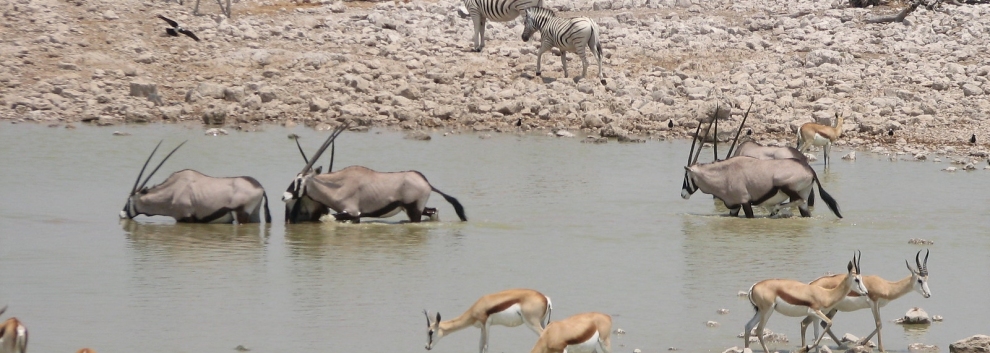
(832, 205)
(453, 202)
(268, 215)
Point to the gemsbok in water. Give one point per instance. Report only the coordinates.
(881, 291)
(191, 196)
(799, 299)
(13, 335)
(581, 333)
(751, 148)
(357, 192)
(811, 134)
(742, 182)
(511, 308)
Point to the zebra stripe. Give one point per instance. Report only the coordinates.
(566, 34)
(481, 11)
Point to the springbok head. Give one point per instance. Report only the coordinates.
(920, 276)
(689, 188)
(433, 331)
(855, 275)
(297, 189)
(129, 210)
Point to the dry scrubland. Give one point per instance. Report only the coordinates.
(405, 65)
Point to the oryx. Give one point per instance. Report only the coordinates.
(191, 196)
(750, 148)
(742, 182)
(357, 192)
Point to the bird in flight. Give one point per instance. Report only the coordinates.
(175, 29)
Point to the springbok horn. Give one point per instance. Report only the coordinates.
(693, 141)
(323, 148)
(301, 150)
(707, 131)
(160, 165)
(858, 258)
(922, 269)
(427, 317)
(926, 259)
(138, 180)
(4, 308)
(743, 123)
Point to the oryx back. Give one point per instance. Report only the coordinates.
(755, 150)
(191, 196)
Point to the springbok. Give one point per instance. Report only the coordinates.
(581, 333)
(742, 182)
(13, 335)
(881, 291)
(356, 192)
(191, 196)
(799, 299)
(510, 308)
(811, 134)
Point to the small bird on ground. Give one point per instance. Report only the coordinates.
(749, 132)
(175, 29)
(890, 132)
(519, 122)
(973, 139)
(670, 124)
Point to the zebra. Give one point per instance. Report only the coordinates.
(567, 34)
(496, 10)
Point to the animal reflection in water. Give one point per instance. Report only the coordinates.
(13, 335)
(357, 192)
(191, 196)
(742, 182)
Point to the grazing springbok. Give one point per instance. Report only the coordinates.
(742, 182)
(581, 333)
(13, 335)
(357, 192)
(799, 299)
(881, 292)
(191, 196)
(811, 134)
(510, 308)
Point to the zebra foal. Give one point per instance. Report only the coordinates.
(496, 10)
(567, 34)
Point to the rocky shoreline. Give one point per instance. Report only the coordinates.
(911, 90)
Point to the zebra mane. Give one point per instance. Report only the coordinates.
(542, 12)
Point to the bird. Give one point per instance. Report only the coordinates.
(670, 124)
(749, 132)
(519, 122)
(973, 139)
(175, 29)
(890, 132)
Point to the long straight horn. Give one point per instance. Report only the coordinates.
(301, 150)
(707, 132)
(715, 136)
(693, 141)
(333, 147)
(160, 165)
(134, 189)
(743, 123)
(323, 148)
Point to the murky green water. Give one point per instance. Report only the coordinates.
(595, 227)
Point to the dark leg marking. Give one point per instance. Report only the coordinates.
(748, 208)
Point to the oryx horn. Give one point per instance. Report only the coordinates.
(715, 136)
(707, 131)
(743, 123)
(301, 150)
(333, 135)
(145, 182)
(693, 141)
(134, 189)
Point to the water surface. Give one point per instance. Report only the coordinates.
(595, 227)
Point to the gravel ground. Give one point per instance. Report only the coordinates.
(918, 88)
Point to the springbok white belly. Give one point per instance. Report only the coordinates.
(589, 346)
(820, 140)
(791, 310)
(510, 317)
(853, 303)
